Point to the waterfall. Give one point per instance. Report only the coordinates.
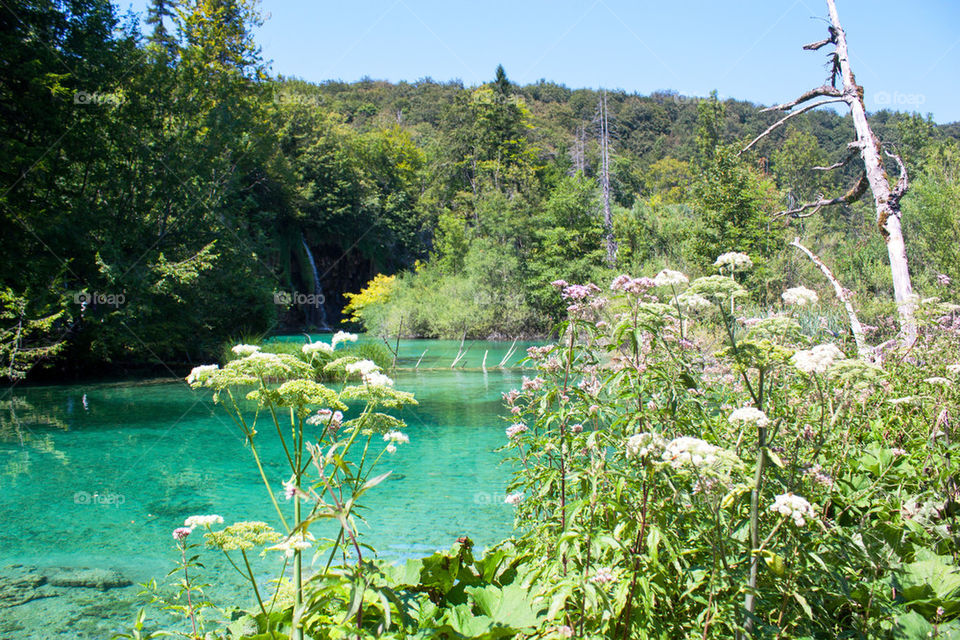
(316, 313)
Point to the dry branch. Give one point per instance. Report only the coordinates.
(825, 90)
(854, 148)
(903, 182)
(863, 350)
(784, 119)
(852, 195)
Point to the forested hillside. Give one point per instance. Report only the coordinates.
(160, 193)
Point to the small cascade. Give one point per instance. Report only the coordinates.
(315, 308)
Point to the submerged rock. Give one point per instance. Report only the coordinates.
(85, 577)
(20, 584)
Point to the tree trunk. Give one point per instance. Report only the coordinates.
(886, 201)
(611, 243)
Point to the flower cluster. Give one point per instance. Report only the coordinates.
(180, 533)
(342, 336)
(749, 415)
(394, 438)
(377, 379)
(644, 444)
(735, 260)
(579, 291)
(516, 429)
(242, 535)
(800, 296)
(244, 350)
(297, 542)
(316, 347)
(362, 367)
(635, 286)
(684, 451)
(513, 499)
(818, 359)
(791, 506)
(668, 278)
(603, 575)
(202, 521)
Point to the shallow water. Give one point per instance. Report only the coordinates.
(98, 475)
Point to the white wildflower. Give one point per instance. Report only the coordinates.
(316, 347)
(643, 444)
(668, 278)
(685, 450)
(201, 374)
(244, 350)
(800, 296)
(342, 336)
(202, 521)
(299, 541)
(377, 379)
(953, 368)
(513, 498)
(391, 448)
(694, 301)
(362, 367)
(817, 359)
(939, 380)
(396, 436)
(734, 259)
(791, 506)
(749, 415)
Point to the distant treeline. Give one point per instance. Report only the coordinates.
(160, 195)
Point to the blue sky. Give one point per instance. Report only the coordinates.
(748, 49)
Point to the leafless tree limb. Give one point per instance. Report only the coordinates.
(784, 119)
(851, 154)
(819, 44)
(825, 90)
(903, 182)
(852, 195)
(863, 350)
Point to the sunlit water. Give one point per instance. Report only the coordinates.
(98, 475)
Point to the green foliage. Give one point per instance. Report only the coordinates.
(196, 188)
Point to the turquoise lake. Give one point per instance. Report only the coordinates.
(98, 475)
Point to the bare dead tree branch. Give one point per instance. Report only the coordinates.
(863, 350)
(787, 117)
(851, 196)
(903, 182)
(851, 154)
(814, 46)
(825, 90)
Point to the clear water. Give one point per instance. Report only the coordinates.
(98, 475)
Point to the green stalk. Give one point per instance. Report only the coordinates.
(749, 601)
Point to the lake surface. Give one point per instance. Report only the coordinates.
(98, 476)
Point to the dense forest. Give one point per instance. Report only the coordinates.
(162, 191)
